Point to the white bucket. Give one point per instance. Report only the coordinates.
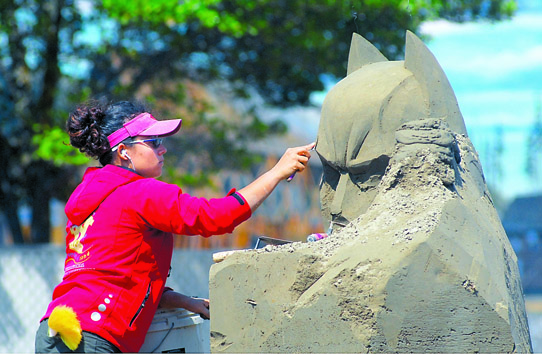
(177, 331)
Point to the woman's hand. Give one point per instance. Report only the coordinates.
(294, 160)
(199, 305)
(172, 299)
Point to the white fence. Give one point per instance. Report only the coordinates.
(28, 275)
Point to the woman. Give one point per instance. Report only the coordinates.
(120, 225)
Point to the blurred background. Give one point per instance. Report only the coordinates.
(248, 78)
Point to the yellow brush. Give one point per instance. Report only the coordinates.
(63, 321)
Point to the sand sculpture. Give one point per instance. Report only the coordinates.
(417, 261)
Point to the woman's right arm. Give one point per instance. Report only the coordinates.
(188, 215)
(294, 160)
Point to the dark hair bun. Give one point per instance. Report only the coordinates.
(84, 129)
(90, 124)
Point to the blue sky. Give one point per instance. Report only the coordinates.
(495, 70)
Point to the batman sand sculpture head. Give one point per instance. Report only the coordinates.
(361, 114)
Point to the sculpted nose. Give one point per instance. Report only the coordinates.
(338, 197)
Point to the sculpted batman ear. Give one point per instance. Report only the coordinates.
(441, 100)
(362, 52)
(434, 84)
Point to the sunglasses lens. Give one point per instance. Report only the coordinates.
(155, 143)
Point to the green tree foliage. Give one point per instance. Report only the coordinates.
(56, 53)
(30, 80)
(283, 46)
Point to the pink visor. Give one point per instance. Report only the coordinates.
(144, 125)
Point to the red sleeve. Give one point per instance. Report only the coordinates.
(165, 207)
(213, 216)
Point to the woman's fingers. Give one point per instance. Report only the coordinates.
(203, 308)
(301, 156)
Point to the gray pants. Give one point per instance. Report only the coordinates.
(90, 343)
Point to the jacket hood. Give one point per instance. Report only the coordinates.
(98, 183)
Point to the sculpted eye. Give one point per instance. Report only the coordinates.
(368, 172)
(331, 175)
(357, 169)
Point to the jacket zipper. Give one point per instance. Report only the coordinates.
(142, 305)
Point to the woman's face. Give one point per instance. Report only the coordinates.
(147, 157)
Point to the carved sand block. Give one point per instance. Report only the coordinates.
(417, 261)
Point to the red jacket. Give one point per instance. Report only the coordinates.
(119, 245)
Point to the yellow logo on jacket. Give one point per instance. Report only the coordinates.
(79, 233)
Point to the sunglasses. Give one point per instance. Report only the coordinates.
(155, 143)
